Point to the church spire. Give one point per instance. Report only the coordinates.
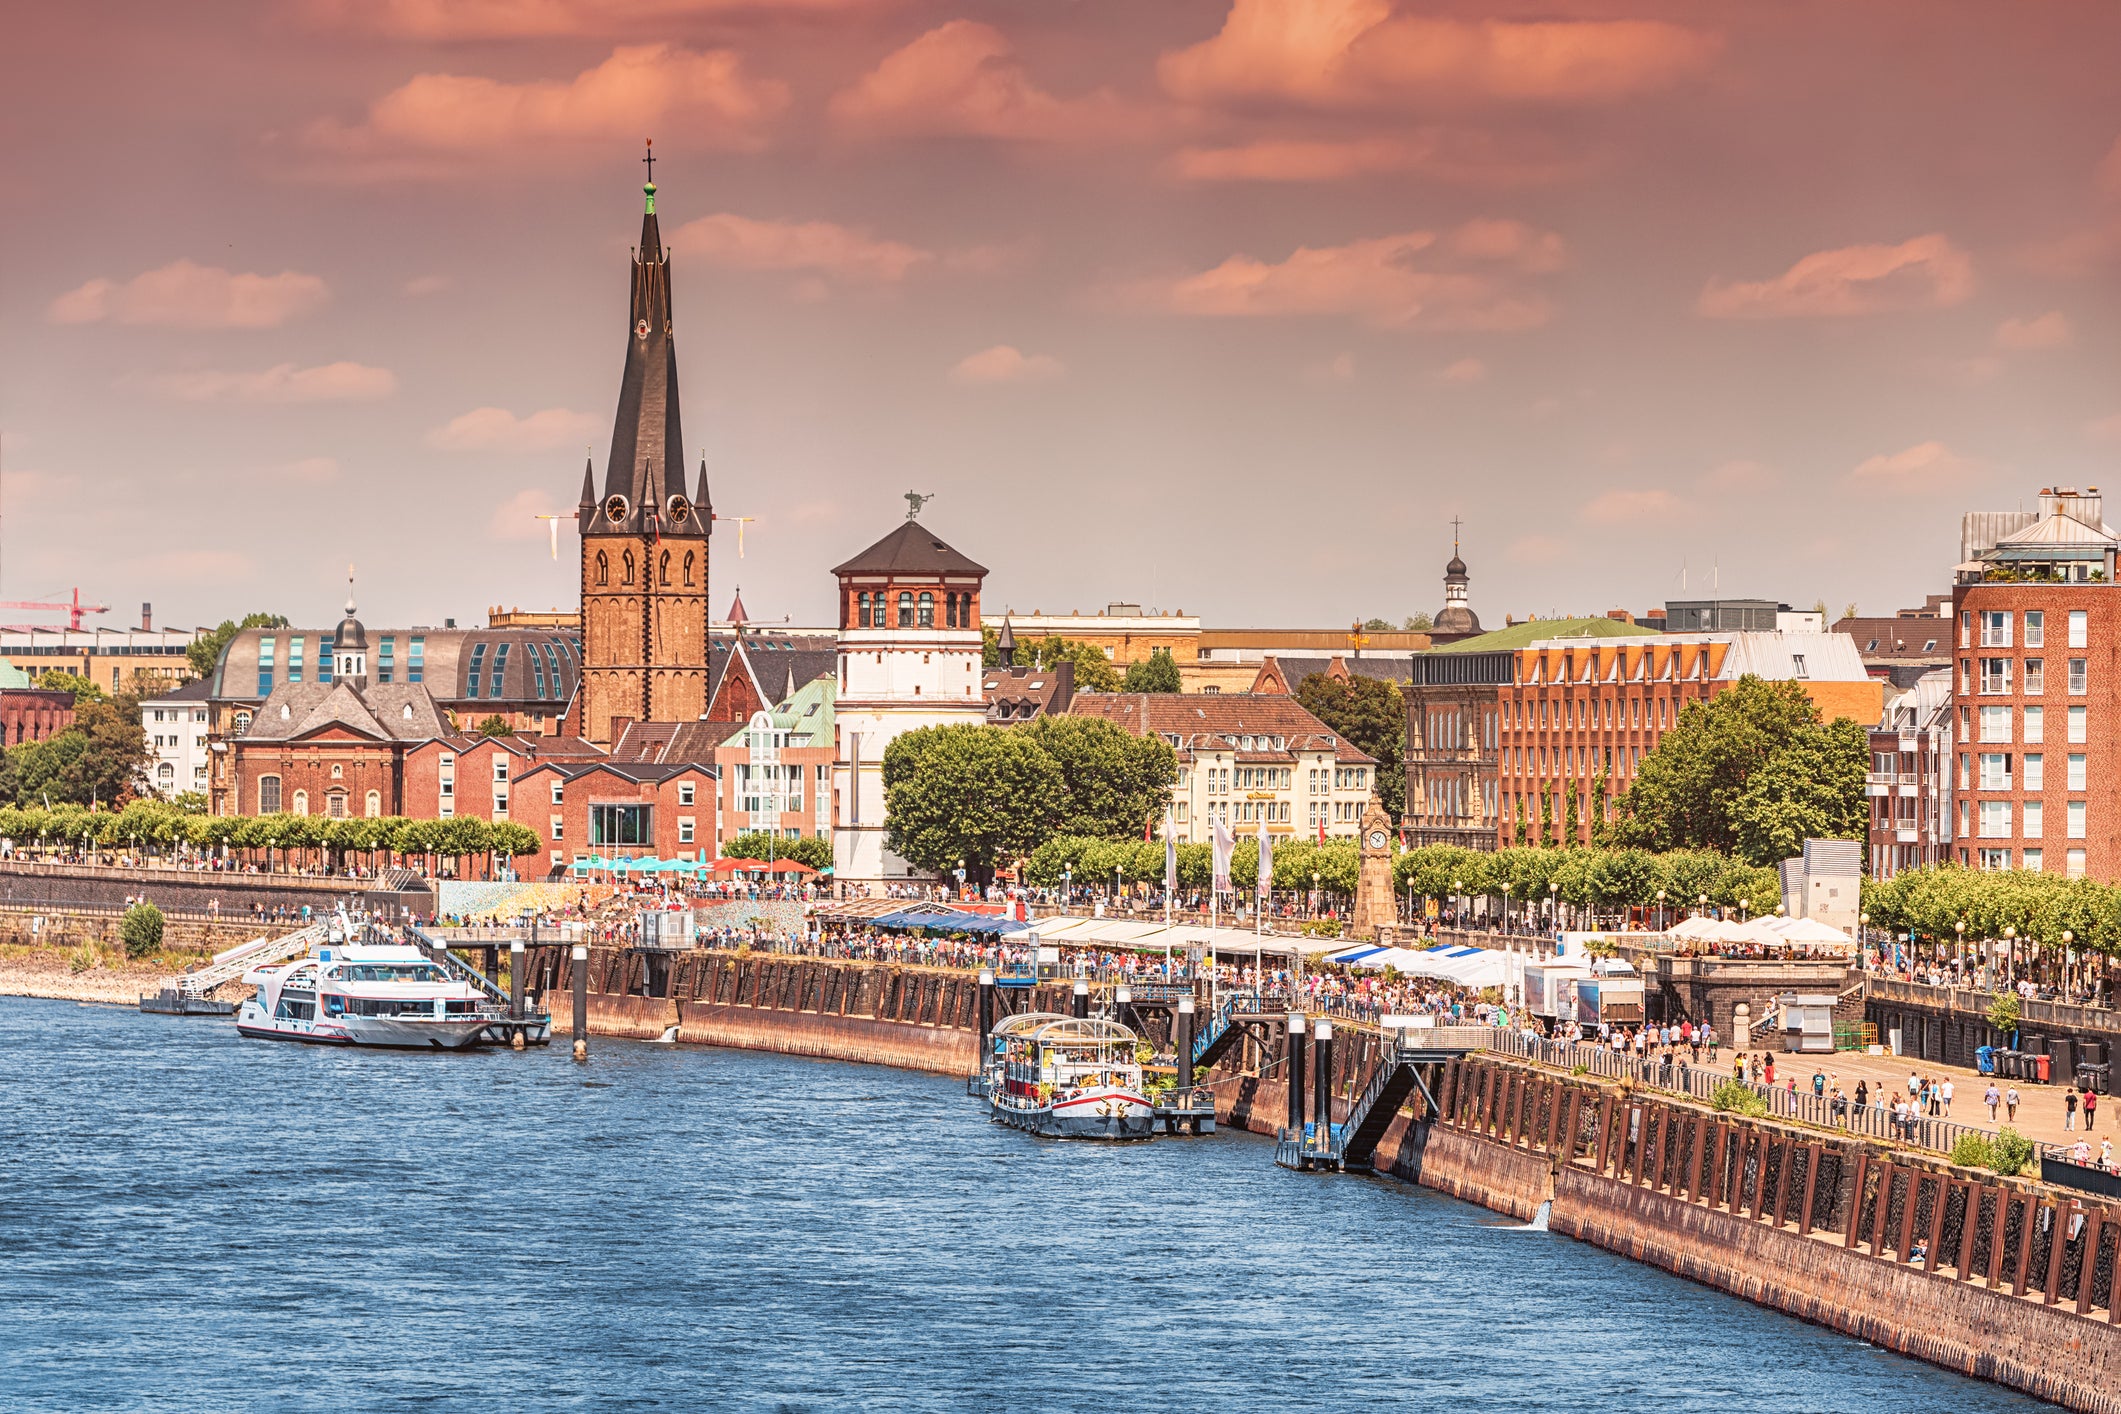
(644, 482)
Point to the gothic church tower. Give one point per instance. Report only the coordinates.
(644, 542)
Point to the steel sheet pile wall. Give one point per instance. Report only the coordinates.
(2002, 1279)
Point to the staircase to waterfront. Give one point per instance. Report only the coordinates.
(233, 963)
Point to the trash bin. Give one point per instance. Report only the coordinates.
(2039, 1068)
(2062, 1058)
(1985, 1059)
(2033, 1044)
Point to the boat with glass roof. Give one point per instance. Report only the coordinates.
(1068, 1077)
(367, 994)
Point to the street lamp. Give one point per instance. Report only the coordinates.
(2069, 959)
(1704, 900)
(1660, 910)
(1067, 883)
(1863, 939)
(2010, 952)
(1506, 905)
(1458, 889)
(1314, 893)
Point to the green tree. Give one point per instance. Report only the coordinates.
(757, 844)
(496, 725)
(1377, 625)
(60, 680)
(1093, 669)
(1155, 673)
(983, 795)
(1112, 781)
(205, 650)
(1749, 771)
(141, 928)
(99, 759)
(1370, 713)
(1416, 622)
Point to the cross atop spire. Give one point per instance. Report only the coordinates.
(1454, 534)
(648, 188)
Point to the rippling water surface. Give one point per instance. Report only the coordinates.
(191, 1220)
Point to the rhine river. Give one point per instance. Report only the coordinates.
(194, 1221)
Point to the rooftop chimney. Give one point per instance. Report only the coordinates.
(147, 617)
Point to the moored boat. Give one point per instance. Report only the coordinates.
(366, 994)
(1067, 1078)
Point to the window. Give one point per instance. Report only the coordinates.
(478, 666)
(2073, 864)
(1995, 677)
(684, 829)
(927, 610)
(500, 769)
(268, 795)
(500, 672)
(1966, 676)
(265, 666)
(2035, 628)
(861, 609)
(618, 824)
(500, 802)
(559, 791)
(2075, 779)
(1995, 770)
(1797, 665)
(2076, 819)
(335, 805)
(2035, 724)
(2032, 826)
(2035, 676)
(2033, 858)
(386, 660)
(559, 828)
(626, 568)
(294, 659)
(2077, 724)
(2079, 629)
(1995, 724)
(905, 609)
(685, 793)
(1995, 859)
(2035, 771)
(324, 659)
(2078, 673)
(1995, 628)
(688, 567)
(1995, 819)
(415, 663)
(663, 568)
(1966, 628)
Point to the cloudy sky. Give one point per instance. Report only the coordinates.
(1223, 305)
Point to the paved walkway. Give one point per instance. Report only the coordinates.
(2040, 1109)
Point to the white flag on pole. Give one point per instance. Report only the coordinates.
(1266, 867)
(1224, 844)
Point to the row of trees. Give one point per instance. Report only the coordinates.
(2040, 908)
(151, 825)
(813, 850)
(1589, 879)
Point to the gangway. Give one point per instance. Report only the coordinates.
(457, 967)
(228, 965)
(1229, 1024)
(1352, 1144)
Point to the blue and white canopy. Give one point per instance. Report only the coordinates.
(1468, 967)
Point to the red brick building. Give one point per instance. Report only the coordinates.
(2036, 690)
(33, 713)
(617, 810)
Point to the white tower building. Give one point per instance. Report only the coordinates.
(909, 657)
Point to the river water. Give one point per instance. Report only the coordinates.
(189, 1220)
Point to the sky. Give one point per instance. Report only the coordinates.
(1221, 306)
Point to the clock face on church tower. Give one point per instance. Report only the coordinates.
(1377, 839)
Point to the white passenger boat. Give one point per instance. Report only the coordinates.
(366, 994)
(1067, 1078)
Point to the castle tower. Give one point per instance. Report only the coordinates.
(644, 541)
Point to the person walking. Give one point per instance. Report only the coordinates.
(2069, 1110)
(2010, 1105)
(1993, 1098)
(1863, 1092)
(2091, 1107)
(1946, 1091)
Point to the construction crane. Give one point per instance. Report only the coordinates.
(73, 610)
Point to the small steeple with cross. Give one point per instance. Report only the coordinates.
(648, 188)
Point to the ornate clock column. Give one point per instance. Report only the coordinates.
(1374, 907)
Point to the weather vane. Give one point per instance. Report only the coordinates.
(915, 500)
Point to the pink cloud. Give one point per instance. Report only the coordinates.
(521, 516)
(527, 19)
(1006, 364)
(2047, 331)
(309, 471)
(1464, 370)
(808, 247)
(1365, 53)
(188, 295)
(963, 79)
(2110, 170)
(282, 383)
(1928, 272)
(499, 430)
(1448, 155)
(1924, 466)
(1474, 277)
(706, 98)
(1622, 507)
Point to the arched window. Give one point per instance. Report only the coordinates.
(927, 610)
(905, 609)
(301, 806)
(950, 610)
(335, 805)
(603, 568)
(626, 568)
(688, 569)
(880, 612)
(663, 569)
(268, 795)
(375, 805)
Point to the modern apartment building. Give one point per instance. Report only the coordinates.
(1910, 783)
(2036, 691)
